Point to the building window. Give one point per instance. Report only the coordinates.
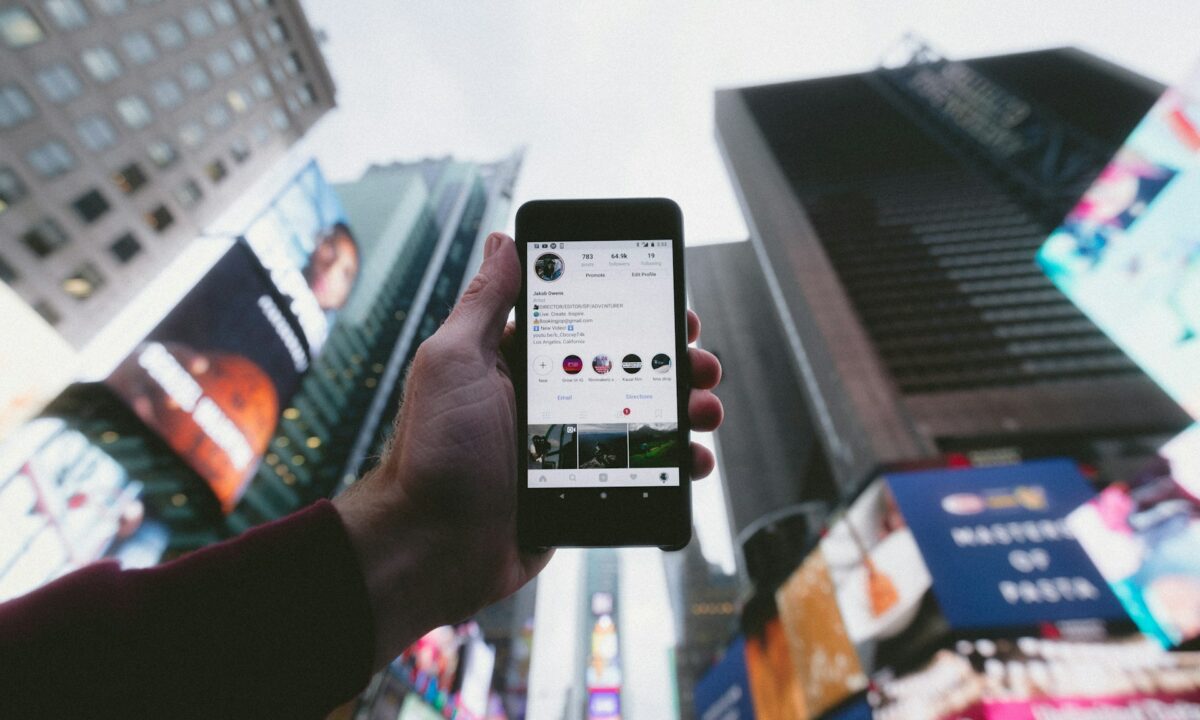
(260, 134)
(223, 12)
(130, 178)
(162, 153)
(134, 111)
(305, 95)
(96, 132)
(240, 150)
(12, 190)
(291, 65)
(238, 100)
(46, 310)
(90, 206)
(278, 74)
(279, 119)
(50, 159)
(125, 248)
(261, 39)
(159, 219)
(217, 116)
(194, 77)
(293, 104)
(261, 86)
(84, 282)
(216, 171)
(220, 63)
(101, 64)
(188, 193)
(15, 106)
(45, 237)
(18, 28)
(8, 273)
(138, 48)
(167, 94)
(277, 32)
(199, 24)
(242, 51)
(170, 35)
(191, 134)
(59, 83)
(112, 7)
(67, 14)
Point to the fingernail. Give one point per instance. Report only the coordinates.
(493, 242)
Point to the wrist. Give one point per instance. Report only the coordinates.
(392, 547)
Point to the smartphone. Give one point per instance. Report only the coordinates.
(602, 375)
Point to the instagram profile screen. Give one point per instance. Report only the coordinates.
(602, 371)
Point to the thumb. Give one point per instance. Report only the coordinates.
(482, 311)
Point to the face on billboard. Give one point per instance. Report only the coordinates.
(310, 252)
(1129, 253)
(211, 377)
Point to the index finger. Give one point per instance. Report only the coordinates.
(693, 323)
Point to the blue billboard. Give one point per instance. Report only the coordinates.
(724, 692)
(998, 547)
(1129, 253)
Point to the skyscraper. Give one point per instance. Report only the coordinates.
(895, 215)
(126, 126)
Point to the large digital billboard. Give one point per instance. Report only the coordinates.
(1129, 253)
(1144, 536)
(303, 239)
(212, 376)
(64, 503)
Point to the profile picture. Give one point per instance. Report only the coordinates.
(601, 364)
(631, 363)
(548, 267)
(572, 364)
(333, 267)
(661, 363)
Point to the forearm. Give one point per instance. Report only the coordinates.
(275, 623)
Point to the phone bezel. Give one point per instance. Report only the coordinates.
(578, 517)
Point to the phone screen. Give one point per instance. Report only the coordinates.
(602, 382)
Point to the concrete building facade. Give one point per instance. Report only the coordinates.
(126, 126)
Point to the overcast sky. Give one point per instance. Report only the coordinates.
(615, 98)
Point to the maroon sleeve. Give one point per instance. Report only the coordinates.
(275, 623)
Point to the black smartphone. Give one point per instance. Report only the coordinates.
(602, 375)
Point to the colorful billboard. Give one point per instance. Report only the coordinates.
(303, 240)
(1144, 536)
(724, 691)
(1033, 679)
(1129, 253)
(923, 555)
(212, 377)
(64, 503)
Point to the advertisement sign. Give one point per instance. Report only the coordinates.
(774, 683)
(921, 555)
(998, 547)
(64, 503)
(724, 691)
(305, 243)
(1129, 253)
(212, 376)
(1144, 536)
(1039, 679)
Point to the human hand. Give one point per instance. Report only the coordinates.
(434, 525)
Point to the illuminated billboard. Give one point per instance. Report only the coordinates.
(1129, 253)
(212, 376)
(64, 503)
(303, 240)
(922, 554)
(1143, 535)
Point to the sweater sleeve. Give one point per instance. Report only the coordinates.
(274, 623)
